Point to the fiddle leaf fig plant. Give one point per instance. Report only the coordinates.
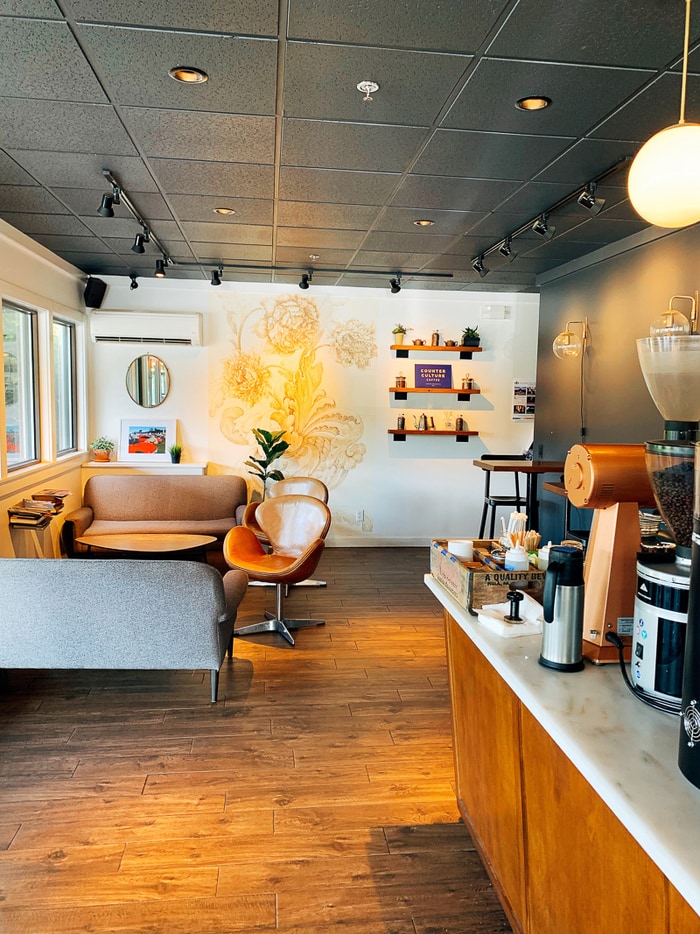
(272, 447)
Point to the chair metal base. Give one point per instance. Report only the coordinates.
(282, 626)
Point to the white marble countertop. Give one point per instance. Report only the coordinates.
(627, 751)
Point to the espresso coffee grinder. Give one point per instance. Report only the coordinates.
(671, 367)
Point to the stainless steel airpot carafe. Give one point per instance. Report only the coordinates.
(562, 631)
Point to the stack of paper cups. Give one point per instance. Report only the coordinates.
(462, 548)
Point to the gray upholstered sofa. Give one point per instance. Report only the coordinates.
(117, 614)
(201, 505)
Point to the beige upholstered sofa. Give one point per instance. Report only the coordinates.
(117, 614)
(200, 505)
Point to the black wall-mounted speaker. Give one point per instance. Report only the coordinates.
(94, 292)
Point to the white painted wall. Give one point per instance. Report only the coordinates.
(409, 491)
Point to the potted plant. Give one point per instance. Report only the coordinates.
(272, 447)
(399, 332)
(102, 448)
(175, 452)
(470, 337)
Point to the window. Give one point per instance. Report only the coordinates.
(19, 330)
(64, 377)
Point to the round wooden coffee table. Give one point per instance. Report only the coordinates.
(148, 542)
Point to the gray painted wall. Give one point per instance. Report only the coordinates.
(620, 295)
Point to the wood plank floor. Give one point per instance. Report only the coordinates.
(317, 795)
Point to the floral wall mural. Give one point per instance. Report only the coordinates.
(278, 374)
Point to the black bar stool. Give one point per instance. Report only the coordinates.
(492, 502)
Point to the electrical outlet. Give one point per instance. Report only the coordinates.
(360, 515)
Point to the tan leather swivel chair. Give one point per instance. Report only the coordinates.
(296, 527)
(305, 486)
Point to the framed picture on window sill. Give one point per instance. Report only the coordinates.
(146, 439)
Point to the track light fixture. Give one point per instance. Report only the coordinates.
(505, 250)
(134, 284)
(542, 228)
(138, 246)
(146, 235)
(105, 208)
(395, 284)
(587, 199)
(306, 278)
(216, 276)
(478, 266)
(160, 269)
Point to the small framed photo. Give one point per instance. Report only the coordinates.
(146, 439)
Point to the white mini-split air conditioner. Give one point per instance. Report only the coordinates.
(136, 327)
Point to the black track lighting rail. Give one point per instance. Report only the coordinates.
(320, 270)
(147, 233)
(542, 216)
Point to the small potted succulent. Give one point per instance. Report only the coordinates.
(102, 448)
(175, 452)
(470, 337)
(399, 332)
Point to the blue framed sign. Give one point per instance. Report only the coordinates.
(433, 376)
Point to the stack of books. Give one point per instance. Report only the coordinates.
(38, 511)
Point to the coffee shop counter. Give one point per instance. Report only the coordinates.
(571, 789)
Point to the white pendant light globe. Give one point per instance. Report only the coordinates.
(664, 179)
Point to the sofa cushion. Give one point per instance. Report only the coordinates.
(218, 527)
(138, 498)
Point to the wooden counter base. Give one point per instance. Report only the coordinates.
(559, 858)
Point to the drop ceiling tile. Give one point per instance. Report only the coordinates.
(60, 126)
(460, 194)
(446, 222)
(110, 228)
(86, 201)
(656, 107)
(34, 200)
(73, 244)
(399, 262)
(133, 64)
(560, 251)
(459, 26)
(220, 233)
(249, 17)
(472, 154)
(177, 249)
(42, 59)
(316, 239)
(600, 230)
(349, 145)
(84, 170)
(627, 32)
(321, 83)
(60, 224)
(211, 253)
(201, 208)
(94, 264)
(300, 257)
(345, 216)
(223, 179)
(11, 173)
(335, 186)
(586, 159)
(422, 241)
(580, 97)
(183, 134)
(46, 9)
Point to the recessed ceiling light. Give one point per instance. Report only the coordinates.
(224, 211)
(424, 222)
(188, 75)
(533, 103)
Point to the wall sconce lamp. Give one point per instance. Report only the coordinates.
(395, 284)
(506, 250)
(478, 266)
(306, 278)
(216, 275)
(160, 269)
(664, 179)
(587, 199)
(542, 228)
(672, 322)
(134, 284)
(569, 344)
